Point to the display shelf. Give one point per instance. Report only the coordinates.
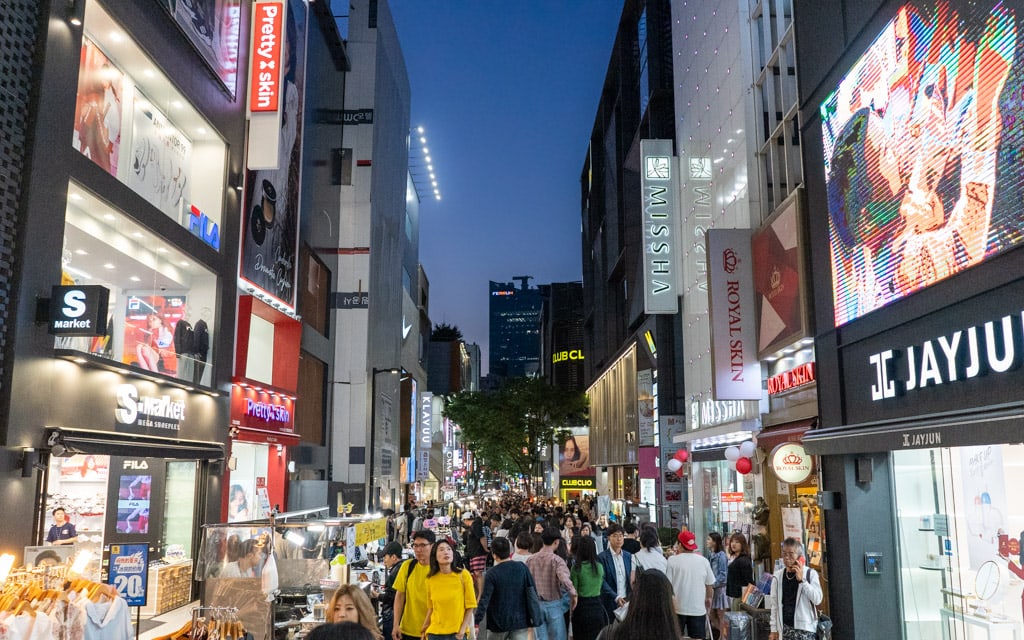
(170, 587)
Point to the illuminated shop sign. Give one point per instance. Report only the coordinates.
(267, 411)
(79, 310)
(921, 153)
(265, 68)
(571, 354)
(791, 379)
(503, 293)
(709, 413)
(995, 347)
(157, 412)
(791, 463)
(202, 226)
(737, 371)
(577, 483)
(426, 436)
(658, 186)
(261, 409)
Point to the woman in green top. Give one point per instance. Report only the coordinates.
(587, 575)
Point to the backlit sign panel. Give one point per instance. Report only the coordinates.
(265, 65)
(921, 151)
(659, 188)
(79, 310)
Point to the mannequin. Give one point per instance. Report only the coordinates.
(183, 345)
(201, 343)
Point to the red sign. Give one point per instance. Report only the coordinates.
(732, 496)
(263, 410)
(265, 65)
(791, 379)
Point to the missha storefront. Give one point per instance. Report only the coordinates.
(919, 306)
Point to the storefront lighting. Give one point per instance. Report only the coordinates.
(81, 562)
(149, 73)
(109, 266)
(135, 279)
(109, 217)
(81, 252)
(6, 564)
(76, 196)
(315, 527)
(291, 466)
(295, 538)
(73, 17)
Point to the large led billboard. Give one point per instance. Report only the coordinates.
(921, 152)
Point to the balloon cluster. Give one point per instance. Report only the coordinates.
(677, 460)
(740, 456)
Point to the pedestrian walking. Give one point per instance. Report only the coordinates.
(410, 589)
(351, 604)
(651, 611)
(587, 576)
(741, 570)
(692, 581)
(650, 555)
(796, 593)
(392, 564)
(618, 570)
(551, 575)
(451, 597)
(720, 567)
(505, 601)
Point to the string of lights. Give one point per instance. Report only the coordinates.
(421, 165)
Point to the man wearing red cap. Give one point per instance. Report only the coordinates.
(692, 580)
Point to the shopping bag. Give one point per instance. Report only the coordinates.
(824, 630)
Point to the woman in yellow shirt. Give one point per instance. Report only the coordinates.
(451, 598)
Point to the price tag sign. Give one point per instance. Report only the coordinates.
(129, 572)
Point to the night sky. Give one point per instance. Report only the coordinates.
(507, 93)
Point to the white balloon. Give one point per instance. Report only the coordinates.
(674, 465)
(747, 449)
(732, 454)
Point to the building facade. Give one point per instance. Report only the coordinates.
(908, 113)
(561, 320)
(514, 335)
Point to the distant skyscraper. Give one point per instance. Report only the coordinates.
(514, 329)
(562, 335)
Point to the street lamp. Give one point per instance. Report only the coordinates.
(373, 504)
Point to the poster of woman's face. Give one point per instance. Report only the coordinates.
(149, 324)
(98, 108)
(574, 456)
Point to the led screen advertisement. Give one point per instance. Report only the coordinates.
(920, 148)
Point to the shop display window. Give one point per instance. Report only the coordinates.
(959, 533)
(162, 304)
(78, 484)
(247, 495)
(132, 122)
(179, 507)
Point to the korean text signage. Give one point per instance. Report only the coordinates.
(265, 60)
(344, 116)
(795, 377)
(737, 371)
(661, 255)
(259, 409)
(79, 311)
(791, 463)
(129, 572)
(577, 483)
(426, 436)
(371, 530)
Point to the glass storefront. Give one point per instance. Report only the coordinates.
(960, 524)
(132, 122)
(248, 498)
(162, 304)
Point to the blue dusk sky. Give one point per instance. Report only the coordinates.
(507, 93)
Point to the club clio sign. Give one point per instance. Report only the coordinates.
(265, 65)
(658, 184)
(790, 463)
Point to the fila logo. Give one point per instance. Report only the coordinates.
(135, 464)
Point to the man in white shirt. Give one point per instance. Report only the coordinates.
(692, 580)
(618, 571)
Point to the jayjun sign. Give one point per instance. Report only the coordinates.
(659, 186)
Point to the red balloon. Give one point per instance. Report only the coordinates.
(744, 465)
(682, 455)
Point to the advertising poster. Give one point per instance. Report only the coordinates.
(149, 324)
(921, 150)
(241, 507)
(98, 108)
(645, 407)
(161, 159)
(270, 211)
(777, 279)
(213, 27)
(793, 523)
(673, 485)
(133, 504)
(574, 456)
(129, 572)
(984, 486)
(85, 467)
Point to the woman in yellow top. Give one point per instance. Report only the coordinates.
(450, 596)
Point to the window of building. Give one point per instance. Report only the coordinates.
(132, 122)
(162, 304)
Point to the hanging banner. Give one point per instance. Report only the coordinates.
(371, 530)
(645, 407)
(737, 371)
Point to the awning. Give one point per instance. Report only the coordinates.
(1003, 425)
(267, 437)
(769, 438)
(129, 444)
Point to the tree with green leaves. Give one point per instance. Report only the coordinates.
(445, 332)
(507, 429)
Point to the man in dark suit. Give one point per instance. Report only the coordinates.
(618, 570)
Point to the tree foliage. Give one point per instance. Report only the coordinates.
(444, 332)
(507, 429)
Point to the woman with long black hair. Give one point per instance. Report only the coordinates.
(587, 574)
(652, 612)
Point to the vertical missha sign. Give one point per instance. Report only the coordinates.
(265, 58)
(737, 371)
(659, 185)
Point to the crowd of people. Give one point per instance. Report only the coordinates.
(521, 570)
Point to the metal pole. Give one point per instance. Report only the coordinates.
(373, 436)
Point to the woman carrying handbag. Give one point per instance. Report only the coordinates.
(796, 594)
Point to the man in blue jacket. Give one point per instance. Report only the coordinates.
(618, 570)
(506, 596)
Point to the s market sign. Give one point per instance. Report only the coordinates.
(78, 310)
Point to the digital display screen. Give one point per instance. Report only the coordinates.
(133, 504)
(921, 152)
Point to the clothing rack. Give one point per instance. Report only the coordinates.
(224, 624)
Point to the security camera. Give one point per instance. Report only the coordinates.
(163, 288)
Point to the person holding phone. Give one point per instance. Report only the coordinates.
(796, 593)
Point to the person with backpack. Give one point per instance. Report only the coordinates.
(506, 598)
(410, 609)
(392, 563)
